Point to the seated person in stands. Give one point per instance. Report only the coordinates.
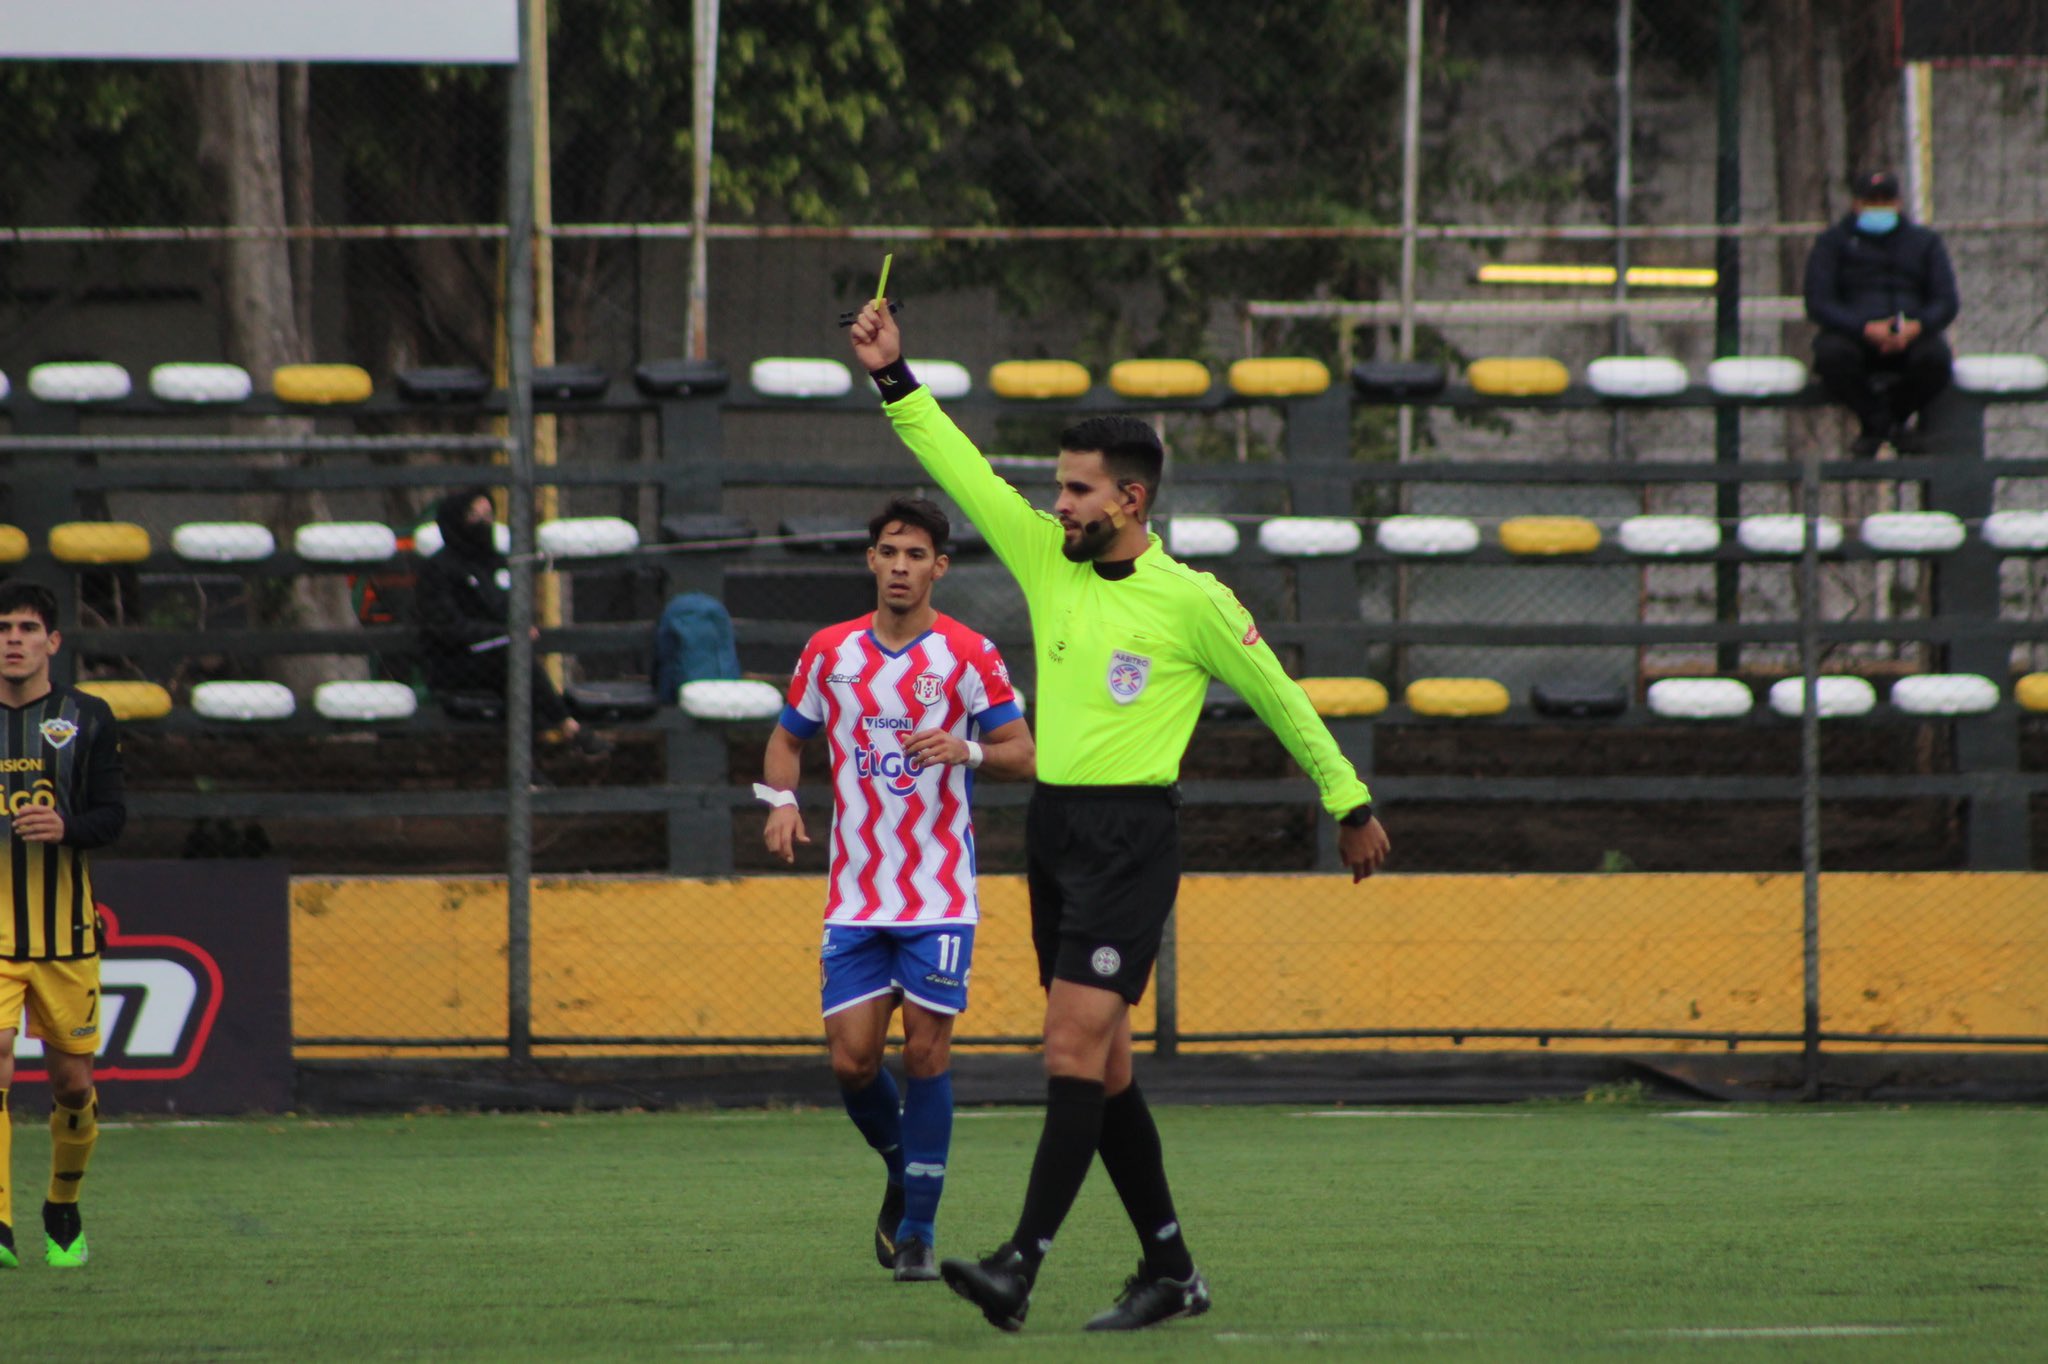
(464, 599)
(1882, 291)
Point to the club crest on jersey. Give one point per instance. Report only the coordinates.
(58, 731)
(928, 688)
(1128, 674)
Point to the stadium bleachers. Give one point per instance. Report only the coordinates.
(1963, 531)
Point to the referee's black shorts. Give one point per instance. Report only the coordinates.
(1104, 868)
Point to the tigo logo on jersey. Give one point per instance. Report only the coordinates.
(1127, 675)
(58, 731)
(928, 688)
(894, 768)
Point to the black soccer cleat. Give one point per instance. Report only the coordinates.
(914, 1262)
(1149, 1299)
(999, 1285)
(885, 1226)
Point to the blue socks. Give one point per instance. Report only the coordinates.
(927, 1135)
(877, 1112)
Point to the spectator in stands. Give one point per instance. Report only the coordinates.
(1882, 291)
(464, 595)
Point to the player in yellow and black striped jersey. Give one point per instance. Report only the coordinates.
(60, 768)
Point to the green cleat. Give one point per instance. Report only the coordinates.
(8, 1259)
(64, 1236)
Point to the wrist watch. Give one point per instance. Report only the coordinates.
(1357, 818)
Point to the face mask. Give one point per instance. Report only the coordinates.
(475, 535)
(1876, 221)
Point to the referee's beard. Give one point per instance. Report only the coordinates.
(1095, 537)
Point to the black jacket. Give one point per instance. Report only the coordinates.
(1853, 277)
(463, 602)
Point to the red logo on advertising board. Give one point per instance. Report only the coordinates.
(159, 997)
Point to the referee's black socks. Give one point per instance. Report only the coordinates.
(1073, 1125)
(1136, 1165)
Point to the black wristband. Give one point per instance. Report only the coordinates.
(895, 380)
(1357, 818)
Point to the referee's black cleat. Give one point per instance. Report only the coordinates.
(885, 1226)
(914, 1262)
(1000, 1285)
(1149, 1299)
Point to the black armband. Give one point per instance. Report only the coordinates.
(895, 380)
(1357, 818)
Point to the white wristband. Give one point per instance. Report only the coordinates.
(974, 754)
(768, 795)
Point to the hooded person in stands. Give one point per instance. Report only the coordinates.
(1882, 292)
(464, 600)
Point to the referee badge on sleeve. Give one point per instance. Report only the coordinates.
(1128, 674)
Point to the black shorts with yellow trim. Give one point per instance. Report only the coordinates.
(1103, 865)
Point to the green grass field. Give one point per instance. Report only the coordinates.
(1527, 1233)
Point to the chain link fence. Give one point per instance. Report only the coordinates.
(1099, 184)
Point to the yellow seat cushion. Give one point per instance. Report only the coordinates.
(2031, 692)
(1038, 379)
(1549, 535)
(13, 544)
(1338, 696)
(1457, 696)
(1279, 377)
(99, 542)
(1159, 378)
(321, 384)
(131, 700)
(1518, 376)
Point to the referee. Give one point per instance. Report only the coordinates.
(1126, 640)
(60, 774)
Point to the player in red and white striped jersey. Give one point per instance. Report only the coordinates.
(912, 703)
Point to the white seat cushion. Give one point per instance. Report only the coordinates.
(1921, 532)
(581, 537)
(243, 700)
(1310, 536)
(1755, 376)
(1427, 535)
(783, 377)
(1636, 376)
(2017, 530)
(1670, 534)
(426, 538)
(345, 542)
(201, 383)
(79, 381)
(223, 542)
(734, 699)
(1785, 533)
(1700, 698)
(945, 378)
(365, 700)
(1200, 537)
(2000, 373)
(1945, 694)
(1837, 696)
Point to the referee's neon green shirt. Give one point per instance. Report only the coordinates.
(1123, 664)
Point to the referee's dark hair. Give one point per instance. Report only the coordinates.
(917, 513)
(34, 597)
(1130, 450)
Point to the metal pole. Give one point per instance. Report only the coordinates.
(1411, 180)
(703, 102)
(1624, 171)
(1728, 308)
(519, 653)
(1809, 764)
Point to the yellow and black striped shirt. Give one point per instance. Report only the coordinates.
(61, 750)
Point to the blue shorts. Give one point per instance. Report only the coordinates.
(927, 962)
